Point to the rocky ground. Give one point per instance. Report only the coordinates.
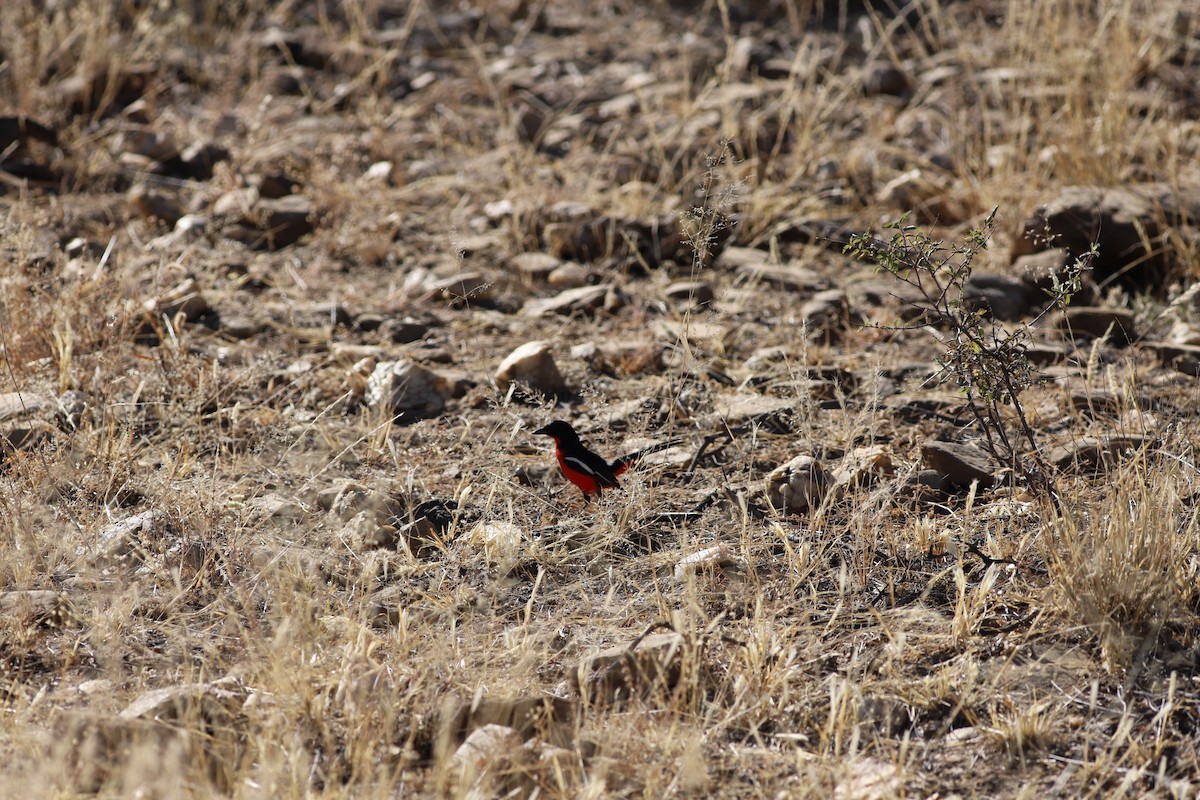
(286, 290)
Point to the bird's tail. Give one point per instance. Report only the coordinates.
(625, 462)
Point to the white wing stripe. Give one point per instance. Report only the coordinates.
(580, 466)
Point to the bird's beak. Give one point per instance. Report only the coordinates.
(541, 431)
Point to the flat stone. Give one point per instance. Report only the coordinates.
(788, 278)
(711, 559)
(18, 404)
(535, 265)
(43, 606)
(1095, 322)
(696, 293)
(1183, 358)
(1095, 453)
(652, 666)
(961, 463)
(582, 299)
(532, 364)
(773, 413)
(408, 391)
(796, 486)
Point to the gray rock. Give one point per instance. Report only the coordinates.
(408, 391)
(1095, 453)
(692, 293)
(796, 486)
(582, 299)
(1094, 321)
(535, 266)
(1000, 296)
(1183, 358)
(1131, 226)
(532, 364)
(961, 463)
(651, 668)
(19, 404)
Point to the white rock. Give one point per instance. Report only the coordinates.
(407, 390)
(797, 485)
(709, 559)
(500, 542)
(532, 364)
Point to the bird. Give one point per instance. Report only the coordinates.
(587, 470)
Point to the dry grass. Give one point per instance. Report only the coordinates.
(859, 650)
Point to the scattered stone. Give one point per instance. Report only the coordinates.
(640, 668)
(1039, 271)
(239, 327)
(347, 498)
(185, 299)
(776, 414)
(710, 559)
(287, 80)
(272, 224)
(575, 232)
(152, 145)
(1095, 453)
(1096, 322)
(20, 404)
(282, 511)
(922, 406)
(74, 406)
(735, 258)
(408, 391)
(403, 331)
(826, 316)
(1183, 358)
(961, 463)
(926, 485)
(585, 299)
(122, 538)
(863, 466)
(363, 533)
(785, 277)
(796, 486)
(106, 89)
(293, 47)
(999, 296)
(153, 205)
(1044, 354)
(236, 202)
(23, 439)
(380, 172)
(532, 364)
(569, 275)
(324, 314)
(544, 716)
(535, 266)
(488, 761)
(95, 687)
(35, 606)
(272, 185)
(187, 702)
(501, 543)
(691, 293)
(464, 287)
(175, 730)
(925, 195)
(425, 530)
(95, 751)
(199, 158)
(1132, 227)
